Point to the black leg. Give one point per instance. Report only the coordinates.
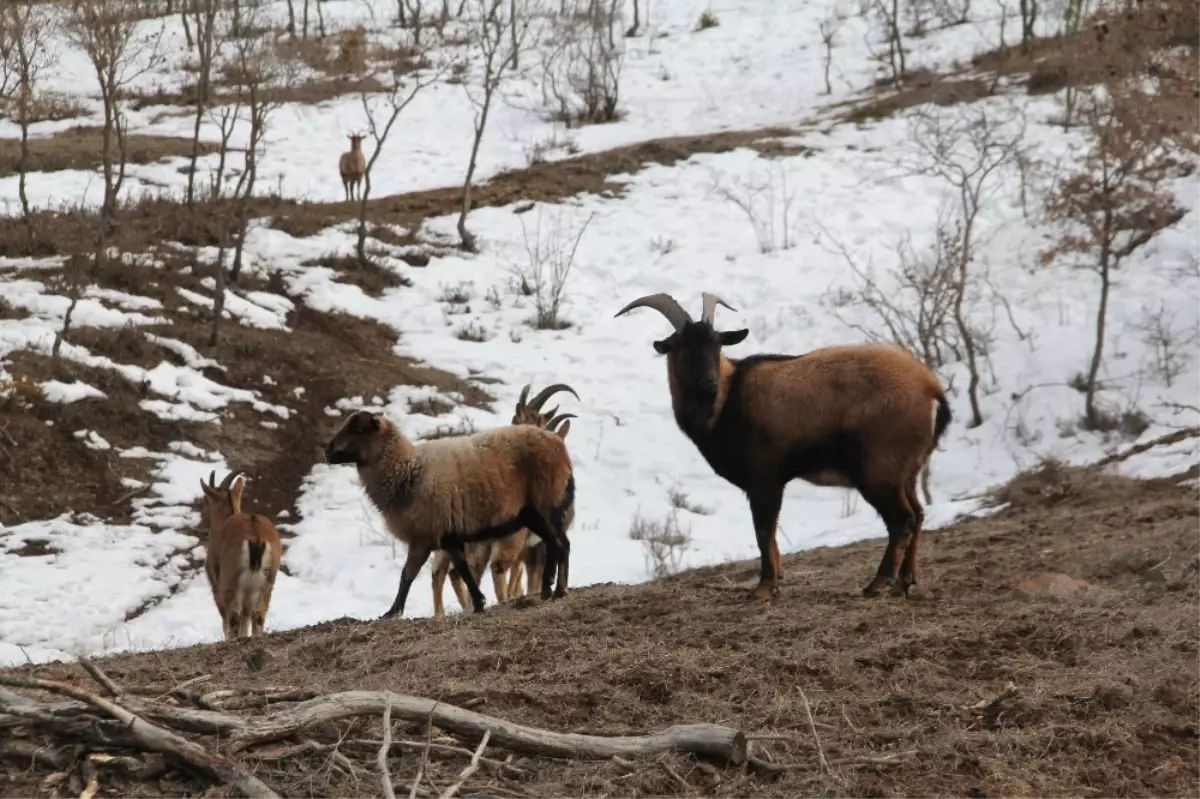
(454, 548)
(764, 508)
(417, 555)
(891, 502)
(558, 553)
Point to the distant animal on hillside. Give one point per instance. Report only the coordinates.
(353, 166)
(445, 493)
(242, 558)
(866, 417)
(521, 551)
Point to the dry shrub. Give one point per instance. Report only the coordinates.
(352, 50)
(664, 542)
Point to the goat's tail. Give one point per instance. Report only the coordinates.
(559, 513)
(257, 548)
(941, 419)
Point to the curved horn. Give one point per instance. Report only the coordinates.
(553, 424)
(212, 479)
(710, 303)
(228, 480)
(524, 398)
(537, 402)
(665, 304)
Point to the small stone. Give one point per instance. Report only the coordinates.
(1054, 585)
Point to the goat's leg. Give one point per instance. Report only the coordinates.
(891, 502)
(764, 508)
(516, 571)
(908, 567)
(454, 548)
(500, 580)
(558, 553)
(418, 553)
(533, 557)
(441, 567)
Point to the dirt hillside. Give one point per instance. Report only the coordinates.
(970, 688)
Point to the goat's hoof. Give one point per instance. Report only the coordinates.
(391, 614)
(764, 593)
(876, 586)
(904, 587)
(560, 593)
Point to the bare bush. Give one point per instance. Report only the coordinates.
(767, 201)
(886, 16)
(581, 70)
(1170, 344)
(549, 261)
(664, 543)
(829, 26)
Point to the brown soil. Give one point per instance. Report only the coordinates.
(151, 221)
(83, 148)
(921, 87)
(972, 689)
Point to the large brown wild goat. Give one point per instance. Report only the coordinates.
(353, 166)
(521, 551)
(444, 493)
(242, 558)
(866, 417)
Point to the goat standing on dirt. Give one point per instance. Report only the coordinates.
(445, 493)
(522, 550)
(242, 558)
(866, 417)
(353, 166)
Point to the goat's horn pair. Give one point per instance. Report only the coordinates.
(229, 478)
(538, 401)
(709, 303)
(665, 304)
(524, 398)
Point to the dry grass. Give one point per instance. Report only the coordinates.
(82, 148)
(967, 690)
(920, 88)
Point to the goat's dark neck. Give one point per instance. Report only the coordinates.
(718, 426)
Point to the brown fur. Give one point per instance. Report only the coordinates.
(353, 166)
(520, 552)
(865, 416)
(242, 594)
(447, 492)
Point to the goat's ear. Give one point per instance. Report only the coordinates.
(667, 344)
(566, 428)
(235, 495)
(731, 337)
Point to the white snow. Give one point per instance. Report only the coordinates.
(771, 236)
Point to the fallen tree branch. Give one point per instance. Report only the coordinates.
(385, 776)
(468, 770)
(446, 750)
(100, 677)
(712, 740)
(156, 739)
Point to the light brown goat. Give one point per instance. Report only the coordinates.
(242, 558)
(521, 551)
(866, 417)
(353, 166)
(445, 493)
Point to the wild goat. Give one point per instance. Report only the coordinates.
(521, 551)
(866, 417)
(444, 493)
(353, 166)
(242, 558)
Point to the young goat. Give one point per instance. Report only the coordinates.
(521, 551)
(242, 558)
(352, 165)
(866, 417)
(444, 493)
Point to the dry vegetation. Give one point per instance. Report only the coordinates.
(972, 689)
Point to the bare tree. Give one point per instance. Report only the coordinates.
(108, 33)
(208, 45)
(966, 151)
(488, 37)
(226, 119)
(25, 36)
(380, 119)
(1115, 201)
(258, 76)
(829, 27)
(636, 27)
(581, 73)
(886, 14)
